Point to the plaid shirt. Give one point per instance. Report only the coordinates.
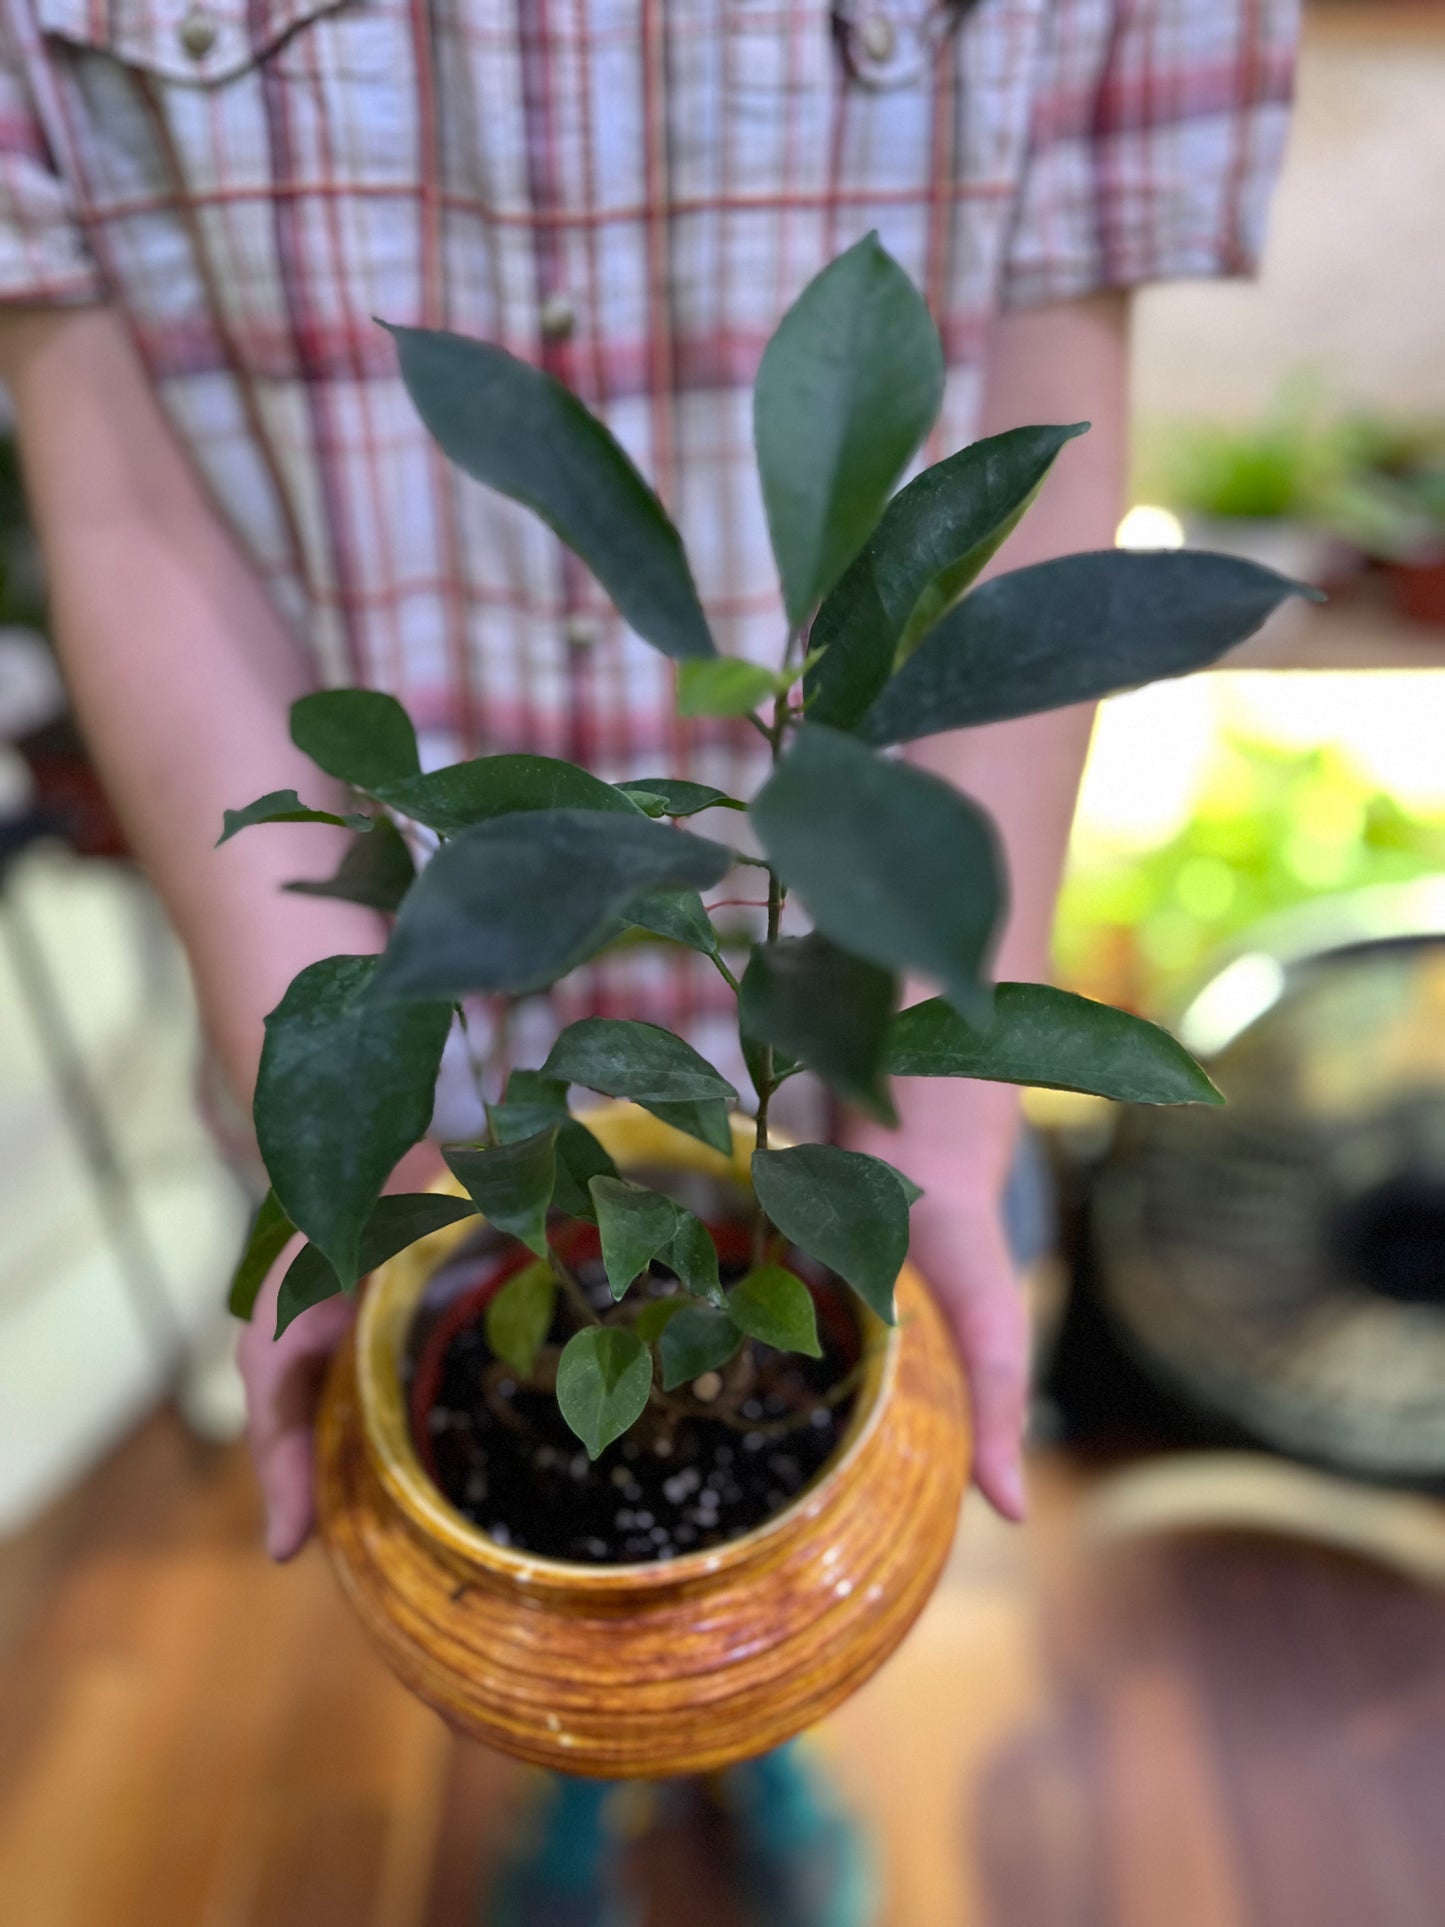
(629, 192)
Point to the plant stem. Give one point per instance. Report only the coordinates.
(571, 1290)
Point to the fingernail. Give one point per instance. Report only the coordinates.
(1012, 1491)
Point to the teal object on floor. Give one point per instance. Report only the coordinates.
(800, 1861)
(568, 1873)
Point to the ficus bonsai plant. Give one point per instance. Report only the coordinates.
(541, 865)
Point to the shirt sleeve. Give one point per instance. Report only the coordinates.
(1158, 128)
(43, 255)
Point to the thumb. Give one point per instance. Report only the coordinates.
(968, 1264)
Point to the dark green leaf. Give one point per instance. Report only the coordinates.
(698, 1340)
(1072, 630)
(284, 806)
(774, 1306)
(603, 1378)
(624, 1058)
(453, 798)
(519, 1318)
(377, 872)
(1050, 1037)
(656, 1315)
(265, 1241)
(677, 915)
(934, 537)
(396, 1222)
(826, 1008)
(707, 1121)
(514, 904)
(725, 686)
(524, 434)
(848, 388)
(681, 798)
(580, 1158)
(844, 1208)
(357, 735)
(529, 1104)
(511, 1185)
(912, 1192)
(890, 862)
(344, 1090)
(635, 1224)
(691, 1253)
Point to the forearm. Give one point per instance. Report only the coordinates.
(179, 670)
(1053, 365)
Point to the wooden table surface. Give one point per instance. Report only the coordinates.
(1205, 1732)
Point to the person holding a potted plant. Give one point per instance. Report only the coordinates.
(208, 210)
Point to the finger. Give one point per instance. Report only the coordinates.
(980, 1293)
(285, 1470)
(283, 1379)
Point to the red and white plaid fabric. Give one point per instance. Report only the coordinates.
(629, 192)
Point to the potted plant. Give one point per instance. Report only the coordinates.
(667, 1301)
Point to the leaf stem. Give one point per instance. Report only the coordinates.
(571, 1290)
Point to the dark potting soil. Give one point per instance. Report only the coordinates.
(502, 1454)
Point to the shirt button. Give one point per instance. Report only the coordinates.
(198, 33)
(559, 316)
(582, 631)
(878, 37)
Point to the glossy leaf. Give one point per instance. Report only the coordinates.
(527, 436)
(827, 1009)
(707, 1121)
(267, 1238)
(344, 1090)
(691, 1253)
(452, 799)
(511, 1184)
(890, 862)
(844, 1208)
(656, 1315)
(580, 1158)
(377, 871)
(360, 736)
(726, 686)
(681, 798)
(699, 1339)
(1072, 630)
(396, 1222)
(848, 388)
(603, 1378)
(519, 1317)
(773, 1305)
(529, 1104)
(1052, 1038)
(622, 1057)
(678, 915)
(635, 1223)
(934, 537)
(285, 806)
(514, 904)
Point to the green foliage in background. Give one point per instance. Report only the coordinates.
(1271, 828)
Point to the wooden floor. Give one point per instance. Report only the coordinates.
(1221, 1732)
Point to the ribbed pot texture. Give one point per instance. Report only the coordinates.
(644, 1671)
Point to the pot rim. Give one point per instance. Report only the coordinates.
(389, 1302)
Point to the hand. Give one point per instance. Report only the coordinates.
(959, 1246)
(283, 1377)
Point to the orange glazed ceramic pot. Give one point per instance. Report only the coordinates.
(649, 1670)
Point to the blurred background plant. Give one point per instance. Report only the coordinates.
(1270, 825)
